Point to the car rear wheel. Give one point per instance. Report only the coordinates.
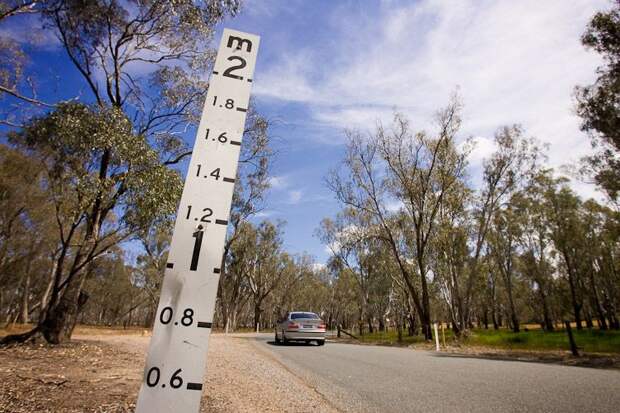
(277, 339)
(284, 339)
(320, 342)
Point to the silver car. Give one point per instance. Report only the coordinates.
(300, 326)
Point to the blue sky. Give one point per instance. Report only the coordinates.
(324, 66)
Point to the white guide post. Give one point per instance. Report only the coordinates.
(436, 338)
(176, 360)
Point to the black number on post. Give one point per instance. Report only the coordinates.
(214, 100)
(241, 65)
(222, 138)
(149, 381)
(230, 104)
(176, 381)
(164, 319)
(216, 174)
(209, 212)
(193, 266)
(188, 314)
(189, 209)
(198, 172)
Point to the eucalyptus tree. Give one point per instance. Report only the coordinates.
(506, 171)
(415, 169)
(150, 60)
(503, 247)
(302, 287)
(351, 244)
(104, 184)
(342, 300)
(597, 104)
(450, 253)
(233, 290)
(465, 219)
(113, 294)
(568, 235)
(266, 266)
(256, 267)
(151, 264)
(536, 243)
(24, 258)
(585, 234)
(250, 186)
(603, 239)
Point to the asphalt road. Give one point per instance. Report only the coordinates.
(385, 379)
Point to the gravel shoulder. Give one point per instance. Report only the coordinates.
(102, 373)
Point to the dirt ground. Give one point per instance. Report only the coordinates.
(102, 373)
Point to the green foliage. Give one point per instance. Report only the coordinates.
(597, 104)
(92, 155)
(591, 341)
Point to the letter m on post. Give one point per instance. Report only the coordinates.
(240, 42)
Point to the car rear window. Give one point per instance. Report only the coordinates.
(304, 315)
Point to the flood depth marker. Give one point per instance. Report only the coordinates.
(177, 355)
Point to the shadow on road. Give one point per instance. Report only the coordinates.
(595, 361)
(292, 344)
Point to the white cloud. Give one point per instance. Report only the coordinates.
(265, 213)
(318, 266)
(394, 205)
(483, 147)
(278, 182)
(28, 29)
(512, 61)
(294, 196)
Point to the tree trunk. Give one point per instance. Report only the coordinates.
(425, 320)
(426, 308)
(48, 289)
(513, 315)
(257, 313)
(573, 291)
(485, 318)
(412, 325)
(61, 317)
(371, 328)
(547, 323)
(596, 303)
(59, 321)
(588, 317)
(25, 297)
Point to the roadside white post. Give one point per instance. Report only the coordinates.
(177, 355)
(443, 336)
(436, 338)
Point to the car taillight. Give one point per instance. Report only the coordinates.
(293, 325)
(322, 326)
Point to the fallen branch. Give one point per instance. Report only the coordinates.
(55, 383)
(347, 333)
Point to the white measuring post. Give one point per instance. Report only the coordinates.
(177, 355)
(436, 338)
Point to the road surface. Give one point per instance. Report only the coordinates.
(386, 379)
